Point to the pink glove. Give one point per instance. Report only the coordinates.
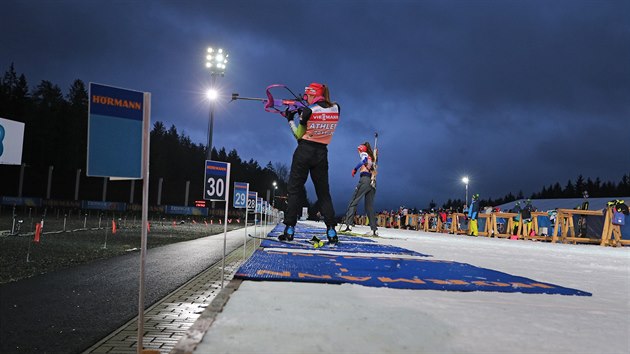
(354, 170)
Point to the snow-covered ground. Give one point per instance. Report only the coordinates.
(292, 317)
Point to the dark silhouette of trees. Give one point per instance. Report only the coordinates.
(56, 135)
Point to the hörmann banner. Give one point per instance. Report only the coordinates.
(115, 132)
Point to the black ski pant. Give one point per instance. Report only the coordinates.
(363, 189)
(309, 157)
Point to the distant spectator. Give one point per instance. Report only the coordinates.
(473, 211)
(526, 214)
(517, 218)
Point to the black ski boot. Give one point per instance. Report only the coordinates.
(288, 233)
(331, 234)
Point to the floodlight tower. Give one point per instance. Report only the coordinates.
(216, 62)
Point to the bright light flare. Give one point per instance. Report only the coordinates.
(212, 94)
(465, 180)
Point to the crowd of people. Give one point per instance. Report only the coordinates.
(440, 219)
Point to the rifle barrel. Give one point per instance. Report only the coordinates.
(235, 96)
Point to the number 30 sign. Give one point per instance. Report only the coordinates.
(217, 179)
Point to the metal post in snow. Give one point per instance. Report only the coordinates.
(145, 213)
(245, 236)
(225, 217)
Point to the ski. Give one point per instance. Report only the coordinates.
(350, 233)
(315, 241)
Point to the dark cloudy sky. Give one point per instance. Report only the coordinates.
(515, 94)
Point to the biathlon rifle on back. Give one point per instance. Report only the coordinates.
(274, 105)
(374, 170)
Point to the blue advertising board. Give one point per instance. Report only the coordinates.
(21, 201)
(185, 210)
(216, 180)
(240, 194)
(115, 132)
(96, 205)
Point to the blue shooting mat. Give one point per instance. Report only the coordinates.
(390, 272)
(353, 244)
(342, 246)
(321, 236)
(307, 232)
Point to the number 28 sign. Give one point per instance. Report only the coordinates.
(217, 179)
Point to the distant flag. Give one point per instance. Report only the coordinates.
(238, 221)
(148, 226)
(211, 222)
(229, 221)
(220, 222)
(113, 226)
(38, 231)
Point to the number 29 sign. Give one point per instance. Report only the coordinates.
(217, 179)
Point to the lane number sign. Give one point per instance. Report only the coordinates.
(217, 178)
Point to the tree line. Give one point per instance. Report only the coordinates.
(56, 135)
(572, 189)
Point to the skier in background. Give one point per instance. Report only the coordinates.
(363, 189)
(317, 123)
(473, 210)
(517, 210)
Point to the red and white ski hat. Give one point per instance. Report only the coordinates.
(362, 148)
(314, 89)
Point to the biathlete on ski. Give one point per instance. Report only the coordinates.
(363, 189)
(317, 123)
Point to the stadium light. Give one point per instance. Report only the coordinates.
(216, 62)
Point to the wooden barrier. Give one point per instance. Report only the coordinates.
(456, 228)
(532, 231)
(381, 220)
(412, 221)
(486, 229)
(564, 220)
(428, 226)
(563, 230)
(613, 230)
(509, 225)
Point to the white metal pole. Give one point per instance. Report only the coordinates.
(145, 214)
(245, 236)
(466, 195)
(225, 217)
